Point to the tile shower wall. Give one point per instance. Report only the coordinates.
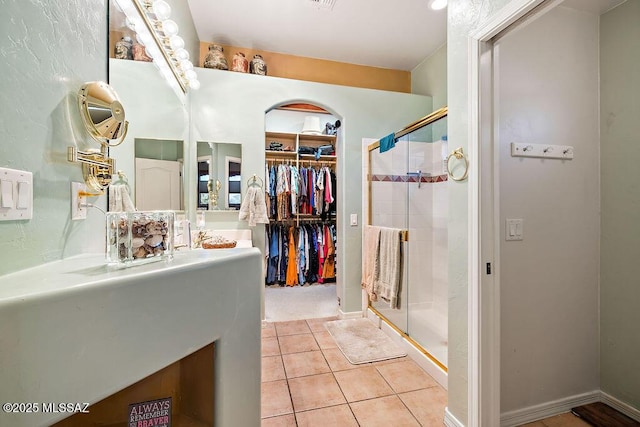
(47, 52)
(423, 211)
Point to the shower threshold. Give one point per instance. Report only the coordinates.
(416, 352)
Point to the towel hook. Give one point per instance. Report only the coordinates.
(459, 155)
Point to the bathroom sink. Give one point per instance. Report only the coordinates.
(77, 331)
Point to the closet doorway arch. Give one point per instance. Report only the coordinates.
(294, 128)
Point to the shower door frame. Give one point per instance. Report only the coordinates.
(425, 121)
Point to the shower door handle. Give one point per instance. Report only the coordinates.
(418, 174)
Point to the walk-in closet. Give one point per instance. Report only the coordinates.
(301, 239)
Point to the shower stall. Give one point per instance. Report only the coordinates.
(407, 190)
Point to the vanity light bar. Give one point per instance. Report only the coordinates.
(149, 27)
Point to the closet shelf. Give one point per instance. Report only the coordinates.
(285, 154)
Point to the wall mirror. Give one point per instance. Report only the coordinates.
(159, 174)
(152, 157)
(219, 176)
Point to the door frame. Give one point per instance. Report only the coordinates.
(483, 396)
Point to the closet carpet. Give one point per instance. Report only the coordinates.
(300, 302)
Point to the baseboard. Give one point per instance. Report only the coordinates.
(545, 410)
(350, 314)
(450, 420)
(619, 405)
(548, 409)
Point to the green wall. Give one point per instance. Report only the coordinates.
(48, 51)
(464, 16)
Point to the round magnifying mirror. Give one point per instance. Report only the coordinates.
(102, 113)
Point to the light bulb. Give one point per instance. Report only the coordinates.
(186, 65)
(190, 75)
(181, 54)
(176, 42)
(438, 4)
(169, 28)
(161, 9)
(144, 39)
(194, 84)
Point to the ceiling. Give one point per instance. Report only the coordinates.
(381, 33)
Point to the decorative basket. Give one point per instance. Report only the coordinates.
(137, 237)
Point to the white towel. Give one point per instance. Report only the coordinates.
(389, 266)
(369, 259)
(253, 208)
(119, 199)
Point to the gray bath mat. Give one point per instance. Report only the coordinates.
(361, 341)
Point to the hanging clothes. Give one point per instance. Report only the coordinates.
(300, 254)
(328, 268)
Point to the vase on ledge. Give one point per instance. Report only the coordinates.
(258, 66)
(215, 58)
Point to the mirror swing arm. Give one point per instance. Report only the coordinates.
(104, 119)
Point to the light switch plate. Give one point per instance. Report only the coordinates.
(514, 229)
(16, 194)
(354, 219)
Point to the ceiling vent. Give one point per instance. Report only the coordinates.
(323, 4)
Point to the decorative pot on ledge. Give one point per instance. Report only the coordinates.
(239, 63)
(215, 58)
(258, 66)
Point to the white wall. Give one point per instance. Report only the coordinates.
(547, 92)
(46, 54)
(230, 107)
(620, 201)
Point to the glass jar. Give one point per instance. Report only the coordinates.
(136, 237)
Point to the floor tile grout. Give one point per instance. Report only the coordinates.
(376, 365)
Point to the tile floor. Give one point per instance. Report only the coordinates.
(306, 381)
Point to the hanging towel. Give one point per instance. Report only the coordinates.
(389, 266)
(120, 199)
(388, 142)
(369, 258)
(253, 208)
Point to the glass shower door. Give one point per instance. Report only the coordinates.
(427, 202)
(408, 191)
(389, 200)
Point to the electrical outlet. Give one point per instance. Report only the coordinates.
(78, 202)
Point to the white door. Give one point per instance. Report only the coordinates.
(158, 184)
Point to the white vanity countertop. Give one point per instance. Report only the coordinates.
(77, 330)
(76, 273)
